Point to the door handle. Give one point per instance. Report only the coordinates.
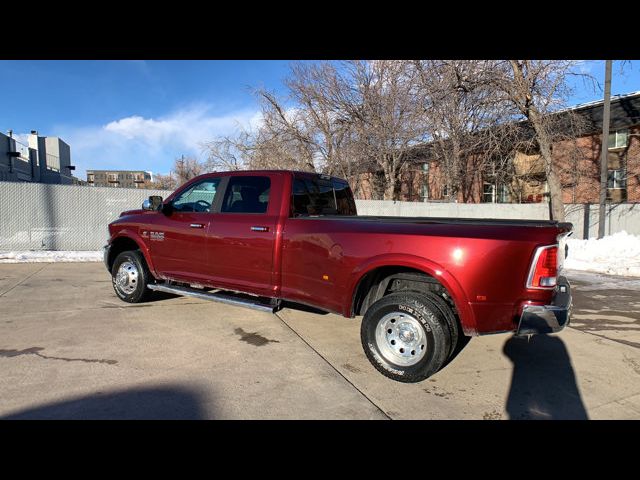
(259, 229)
(197, 225)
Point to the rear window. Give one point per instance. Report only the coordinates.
(319, 196)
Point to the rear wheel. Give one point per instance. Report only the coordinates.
(406, 336)
(130, 276)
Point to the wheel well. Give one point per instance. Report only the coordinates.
(119, 245)
(385, 280)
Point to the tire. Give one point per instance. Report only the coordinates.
(406, 336)
(448, 315)
(130, 277)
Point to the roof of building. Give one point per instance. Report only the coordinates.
(625, 111)
(118, 171)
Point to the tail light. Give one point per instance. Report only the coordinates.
(544, 268)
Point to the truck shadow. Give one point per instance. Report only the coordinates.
(543, 385)
(163, 403)
(303, 308)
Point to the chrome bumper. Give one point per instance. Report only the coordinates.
(548, 318)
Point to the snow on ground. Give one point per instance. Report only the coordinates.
(31, 256)
(617, 254)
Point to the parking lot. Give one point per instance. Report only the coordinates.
(70, 349)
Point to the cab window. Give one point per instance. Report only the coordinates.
(199, 197)
(319, 196)
(247, 195)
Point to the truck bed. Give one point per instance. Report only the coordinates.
(447, 221)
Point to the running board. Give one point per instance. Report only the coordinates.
(214, 297)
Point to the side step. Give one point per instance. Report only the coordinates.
(215, 297)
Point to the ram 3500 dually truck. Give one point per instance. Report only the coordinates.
(422, 285)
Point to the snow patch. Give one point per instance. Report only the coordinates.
(50, 256)
(617, 254)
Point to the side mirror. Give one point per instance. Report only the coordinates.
(154, 202)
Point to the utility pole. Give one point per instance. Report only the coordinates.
(604, 158)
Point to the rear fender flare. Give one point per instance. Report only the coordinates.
(460, 299)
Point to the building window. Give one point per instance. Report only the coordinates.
(492, 195)
(503, 193)
(488, 192)
(616, 179)
(618, 139)
(53, 162)
(424, 192)
(113, 177)
(424, 188)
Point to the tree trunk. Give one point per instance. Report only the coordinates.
(553, 180)
(392, 185)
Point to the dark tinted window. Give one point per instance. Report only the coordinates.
(318, 196)
(345, 203)
(247, 195)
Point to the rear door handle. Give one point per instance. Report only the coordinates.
(259, 229)
(197, 225)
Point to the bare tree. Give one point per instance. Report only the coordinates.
(463, 114)
(368, 119)
(186, 168)
(317, 90)
(345, 118)
(381, 102)
(162, 182)
(229, 152)
(535, 88)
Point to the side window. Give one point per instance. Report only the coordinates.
(300, 198)
(318, 196)
(247, 195)
(199, 197)
(345, 203)
(313, 197)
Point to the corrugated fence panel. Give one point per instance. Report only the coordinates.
(36, 216)
(535, 211)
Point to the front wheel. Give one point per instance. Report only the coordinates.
(130, 277)
(406, 336)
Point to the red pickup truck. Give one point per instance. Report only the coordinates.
(422, 285)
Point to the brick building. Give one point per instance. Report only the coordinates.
(118, 178)
(577, 161)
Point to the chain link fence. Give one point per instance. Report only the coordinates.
(36, 216)
(531, 211)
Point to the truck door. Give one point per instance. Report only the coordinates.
(178, 237)
(241, 236)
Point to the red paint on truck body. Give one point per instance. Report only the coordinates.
(320, 261)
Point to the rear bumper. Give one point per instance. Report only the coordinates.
(551, 318)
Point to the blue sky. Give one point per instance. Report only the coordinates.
(144, 114)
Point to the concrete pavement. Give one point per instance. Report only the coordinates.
(70, 349)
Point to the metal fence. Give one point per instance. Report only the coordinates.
(618, 216)
(536, 211)
(36, 216)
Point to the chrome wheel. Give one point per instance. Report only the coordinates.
(400, 339)
(126, 280)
